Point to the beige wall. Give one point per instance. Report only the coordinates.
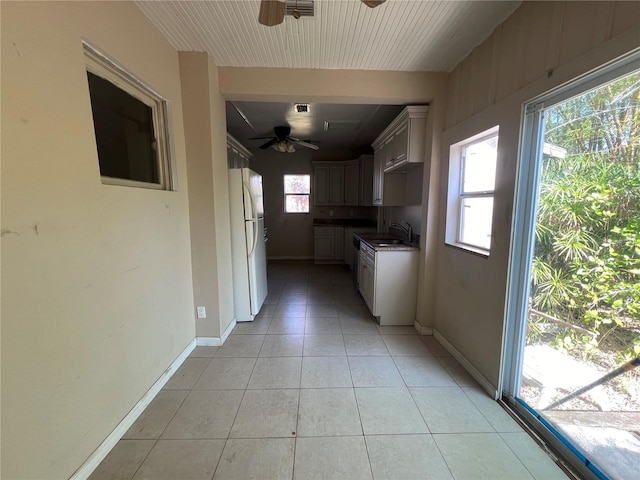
(488, 88)
(329, 86)
(97, 294)
(205, 133)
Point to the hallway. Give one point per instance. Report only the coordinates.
(315, 389)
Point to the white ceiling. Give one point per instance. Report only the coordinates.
(400, 35)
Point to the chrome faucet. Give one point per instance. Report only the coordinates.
(408, 230)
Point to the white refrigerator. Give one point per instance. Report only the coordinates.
(248, 249)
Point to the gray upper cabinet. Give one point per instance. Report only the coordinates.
(328, 184)
(366, 181)
(351, 183)
(321, 185)
(237, 155)
(403, 141)
(397, 151)
(343, 183)
(336, 185)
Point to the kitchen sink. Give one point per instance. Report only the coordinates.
(386, 242)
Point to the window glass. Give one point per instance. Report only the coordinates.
(297, 184)
(477, 213)
(124, 133)
(297, 189)
(472, 173)
(479, 170)
(297, 204)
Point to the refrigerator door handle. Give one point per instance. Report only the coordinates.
(247, 192)
(255, 238)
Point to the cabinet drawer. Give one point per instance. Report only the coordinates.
(323, 230)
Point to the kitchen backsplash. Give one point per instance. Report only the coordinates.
(344, 212)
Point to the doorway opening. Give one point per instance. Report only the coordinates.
(573, 315)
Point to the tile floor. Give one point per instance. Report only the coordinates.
(314, 389)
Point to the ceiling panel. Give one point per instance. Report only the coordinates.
(400, 35)
(349, 126)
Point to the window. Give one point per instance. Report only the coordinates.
(296, 193)
(472, 173)
(130, 124)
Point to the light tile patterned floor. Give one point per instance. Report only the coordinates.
(314, 389)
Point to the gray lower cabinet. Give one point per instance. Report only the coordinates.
(328, 244)
(388, 284)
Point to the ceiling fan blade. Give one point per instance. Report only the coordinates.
(306, 144)
(264, 146)
(271, 12)
(261, 138)
(373, 3)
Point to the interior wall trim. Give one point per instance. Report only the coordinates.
(112, 439)
(422, 330)
(216, 341)
(468, 366)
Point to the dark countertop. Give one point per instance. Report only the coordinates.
(345, 222)
(374, 240)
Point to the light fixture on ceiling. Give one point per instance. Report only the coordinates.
(283, 147)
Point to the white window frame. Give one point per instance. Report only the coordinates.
(100, 64)
(456, 194)
(284, 189)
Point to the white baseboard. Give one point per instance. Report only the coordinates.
(422, 330)
(216, 341)
(473, 371)
(105, 447)
(289, 258)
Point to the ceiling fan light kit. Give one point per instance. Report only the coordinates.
(282, 142)
(283, 147)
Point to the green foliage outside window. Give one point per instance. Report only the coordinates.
(586, 268)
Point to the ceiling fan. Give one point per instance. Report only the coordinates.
(282, 142)
(272, 12)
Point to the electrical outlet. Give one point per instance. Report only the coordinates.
(202, 312)
(331, 213)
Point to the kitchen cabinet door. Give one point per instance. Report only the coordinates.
(389, 152)
(324, 247)
(336, 185)
(351, 180)
(362, 278)
(366, 180)
(378, 176)
(321, 186)
(368, 292)
(339, 244)
(401, 145)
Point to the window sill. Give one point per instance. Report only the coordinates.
(123, 182)
(480, 252)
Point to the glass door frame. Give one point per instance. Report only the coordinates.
(521, 251)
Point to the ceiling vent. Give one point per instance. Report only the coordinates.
(299, 8)
(302, 107)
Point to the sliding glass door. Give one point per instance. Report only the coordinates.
(573, 315)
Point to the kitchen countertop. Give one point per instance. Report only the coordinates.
(344, 222)
(374, 240)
